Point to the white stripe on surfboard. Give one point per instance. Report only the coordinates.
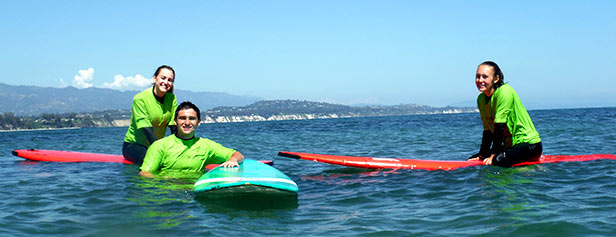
(243, 179)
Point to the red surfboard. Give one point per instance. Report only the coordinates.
(68, 156)
(73, 156)
(395, 163)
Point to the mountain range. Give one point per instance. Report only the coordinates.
(32, 107)
(34, 100)
(217, 107)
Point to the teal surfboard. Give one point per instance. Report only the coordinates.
(251, 177)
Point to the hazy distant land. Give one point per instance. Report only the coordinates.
(269, 110)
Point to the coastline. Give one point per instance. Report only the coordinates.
(285, 117)
(209, 119)
(37, 129)
(240, 119)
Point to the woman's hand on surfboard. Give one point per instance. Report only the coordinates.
(488, 161)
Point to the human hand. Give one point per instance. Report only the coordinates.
(488, 161)
(230, 164)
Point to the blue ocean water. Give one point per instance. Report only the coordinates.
(108, 199)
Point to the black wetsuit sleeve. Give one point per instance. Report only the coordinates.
(149, 134)
(173, 128)
(486, 143)
(497, 138)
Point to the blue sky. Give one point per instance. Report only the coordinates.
(554, 53)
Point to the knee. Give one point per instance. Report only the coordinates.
(500, 159)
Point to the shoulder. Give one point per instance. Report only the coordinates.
(169, 139)
(504, 91)
(163, 142)
(205, 141)
(142, 95)
(506, 88)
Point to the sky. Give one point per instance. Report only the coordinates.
(555, 54)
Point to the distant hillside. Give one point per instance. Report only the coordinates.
(34, 100)
(295, 109)
(110, 118)
(258, 111)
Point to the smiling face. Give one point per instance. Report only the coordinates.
(187, 122)
(163, 82)
(485, 79)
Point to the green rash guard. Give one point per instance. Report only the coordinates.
(504, 106)
(148, 112)
(174, 154)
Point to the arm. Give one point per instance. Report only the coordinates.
(149, 134)
(499, 134)
(484, 151)
(142, 122)
(504, 105)
(152, 160)
(486, 138)
(234, 161)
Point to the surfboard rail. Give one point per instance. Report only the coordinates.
(396, 163)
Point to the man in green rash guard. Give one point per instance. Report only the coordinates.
(509, 136)
(152, 112)
(182, 151)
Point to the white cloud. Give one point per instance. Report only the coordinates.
(128, 83)
(83, 79)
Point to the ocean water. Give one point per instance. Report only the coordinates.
(108, 199)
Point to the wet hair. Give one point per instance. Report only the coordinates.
(168, 68)
(497, 72)
(188, 105)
